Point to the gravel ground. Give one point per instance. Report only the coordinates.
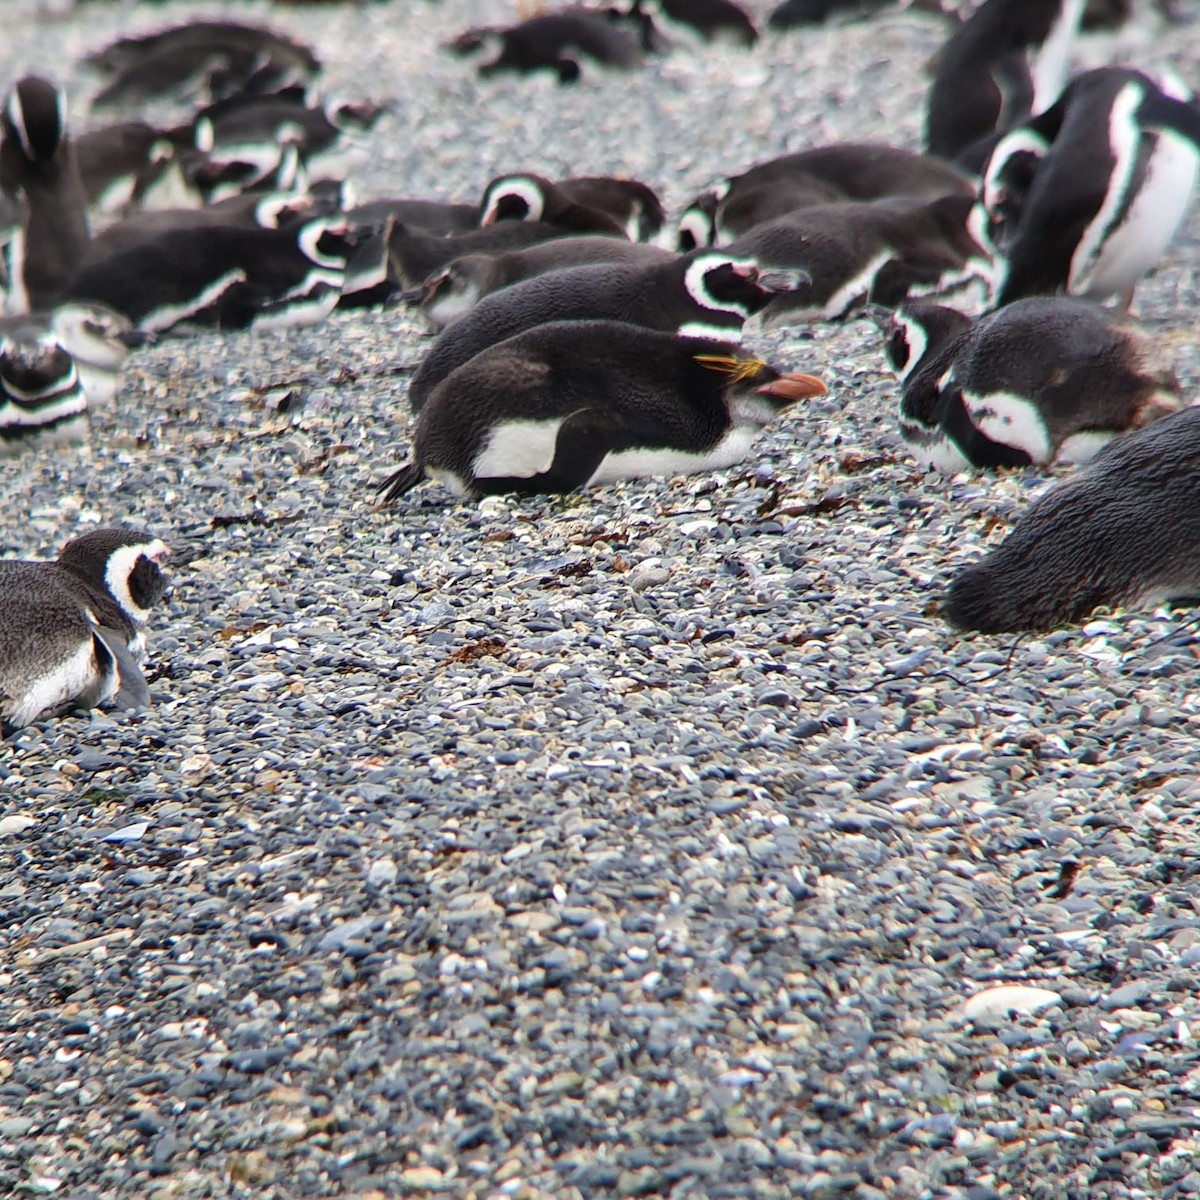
(642, 842)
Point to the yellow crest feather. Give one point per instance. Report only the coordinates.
(738, 369)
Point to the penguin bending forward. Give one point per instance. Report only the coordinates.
(1041, 380)
(72, 631)
(1123, 531)
(572, 403)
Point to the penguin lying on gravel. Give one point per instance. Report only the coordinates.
(1123, 531)
(42, 401)
(553, 41)
(821, 175)
(217, 275)
(447, 295)
(1007, 60)
(37, 160)
(572, 403)
(633, 207)
(709, 293)
(1042, 380)
(879, 250)
(97, 338)
(72, 631)
(1107, 172)
(710, 20)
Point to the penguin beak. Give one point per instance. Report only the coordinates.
(793, 387)
(779, 279)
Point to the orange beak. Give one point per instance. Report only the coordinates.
(793, 387)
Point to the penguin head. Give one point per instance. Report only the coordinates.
(698, 225)
(96, 334)
(513, 198)
(919, 329)
(739, 287)
(358, 115)
(31, 371)
(755, 392)
(281, 210)
(125, 562)
(447, 294)
(1007, 177)
(35, 119)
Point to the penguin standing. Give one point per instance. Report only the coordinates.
(449, 294)
(38, 161)
(1007, 60)
(1047, 379)
(1123, 531)
(72, 631)
(709, 294)
(573, 403)
(1105, 197)
(42, 401)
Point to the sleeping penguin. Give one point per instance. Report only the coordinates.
(72, 631)
(710, 294)
(1048, 379)
(574, 403)
(1123, 531)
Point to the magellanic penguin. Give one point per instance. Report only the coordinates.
(1047, 379)
(97, 338)
(553, 41)
(37, 160)
(1106, 195)
(450, 293)
(1122, 531)
(415, 254)
(709, 20)
(42, 402)
(233, 278)
(72, 631)
(709, 294)
(821, 175)
(633, 206)
(124, 165)
(573, 403)
(1006, 61)
(854, 252)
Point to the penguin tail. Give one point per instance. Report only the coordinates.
(401, 481)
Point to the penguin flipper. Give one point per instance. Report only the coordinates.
(399, 482)
(132, 690)
(584, 441)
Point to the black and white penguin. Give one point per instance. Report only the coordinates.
(1047, 379)
(415, 255)
(706, 294)
(98, 340)
(37, 160)
(533, 198)
(709, 20)
(553, 41)
(573, 403)
(632, 206)
(840, 171)
(1106, 195)
(42, 401)
(233, 278)
(1008, 59)
(876, 251)
(448, 294)
(123, 165)
(1122, 531)
(792, 14)
(72, 631)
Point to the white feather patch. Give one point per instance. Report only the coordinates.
(171, 314)
(118, 570)
(518, 449)
(1083, 446)
(855, 287)
(666, 461)
(1010, 420)
(77, 677)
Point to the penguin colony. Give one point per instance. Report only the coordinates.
(584, 337)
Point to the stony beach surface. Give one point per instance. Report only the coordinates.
(644, 842)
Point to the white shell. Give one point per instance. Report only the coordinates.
(1008, 1000)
